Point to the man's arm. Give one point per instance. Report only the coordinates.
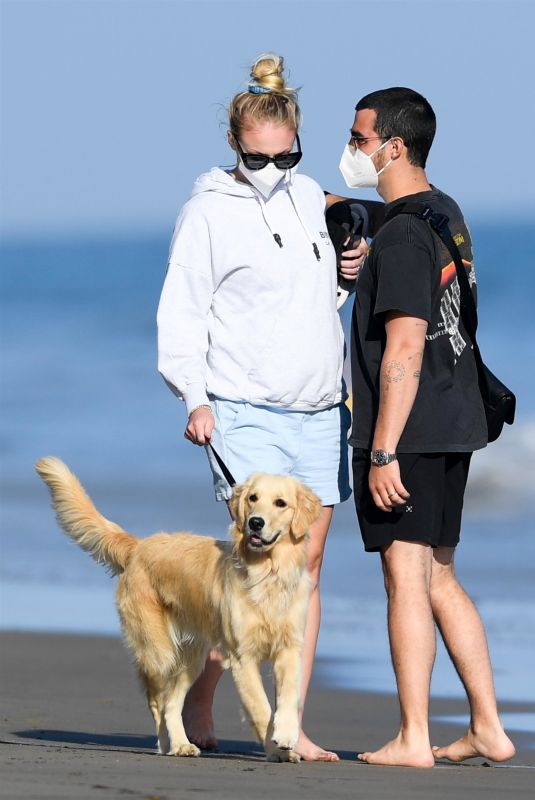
(375, 210)
(399, 381)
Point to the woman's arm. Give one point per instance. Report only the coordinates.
(375, 210)
(183, 314)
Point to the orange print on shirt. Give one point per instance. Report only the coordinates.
(449, 272)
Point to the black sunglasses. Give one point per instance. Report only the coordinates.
(254, 161)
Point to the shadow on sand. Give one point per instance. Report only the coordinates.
(228, 748)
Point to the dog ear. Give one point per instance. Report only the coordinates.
(237, 504)
(307, 511)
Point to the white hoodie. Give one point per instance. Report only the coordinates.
(241, 317)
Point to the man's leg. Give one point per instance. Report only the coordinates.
(411, 630)
(464, 636)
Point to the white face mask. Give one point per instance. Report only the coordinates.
(265, 179)
(358, 168)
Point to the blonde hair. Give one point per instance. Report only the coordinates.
(266, 98)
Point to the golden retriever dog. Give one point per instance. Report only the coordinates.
(179, 595)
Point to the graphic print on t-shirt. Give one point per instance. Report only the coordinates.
(450, 305)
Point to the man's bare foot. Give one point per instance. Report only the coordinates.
(199, 725)
(401, 753)
(491, 743)
(312, 752)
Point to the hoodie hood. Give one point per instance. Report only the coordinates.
(219, 181)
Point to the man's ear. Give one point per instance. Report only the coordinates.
(307, 511)
(231, 140)
(398, 146)
(237, 504)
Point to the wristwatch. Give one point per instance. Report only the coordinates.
(379, 458)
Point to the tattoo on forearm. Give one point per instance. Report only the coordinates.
(418, 357)
(394, 372)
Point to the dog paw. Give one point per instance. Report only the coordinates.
(283, 756)
(284, 744)
(187, 750)
(285, 740)
(285, 729)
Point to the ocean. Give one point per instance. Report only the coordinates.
(79, 380)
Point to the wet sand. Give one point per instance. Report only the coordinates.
(75, 725)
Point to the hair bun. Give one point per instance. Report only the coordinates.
(267, 97)
(267, 73)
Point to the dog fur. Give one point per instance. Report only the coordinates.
(179, 595)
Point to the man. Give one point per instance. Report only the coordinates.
(418, 418)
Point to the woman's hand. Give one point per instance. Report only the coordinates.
(200, 426)
(352, 260)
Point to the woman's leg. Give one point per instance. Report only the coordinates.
(318, 534)
(198, 705)
(197, 712)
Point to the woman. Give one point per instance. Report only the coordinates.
(249, 335)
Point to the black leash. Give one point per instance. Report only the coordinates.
(224, 469)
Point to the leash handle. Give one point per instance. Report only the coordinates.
(224, 469)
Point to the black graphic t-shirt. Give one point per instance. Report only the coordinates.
(409, 269)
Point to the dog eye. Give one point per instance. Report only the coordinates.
(280, 502)
(253, 498)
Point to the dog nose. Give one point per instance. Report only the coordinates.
(256, 524)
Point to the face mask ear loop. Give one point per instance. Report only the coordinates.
(380, 148)
(384, 144)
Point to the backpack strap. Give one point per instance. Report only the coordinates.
(439, 223)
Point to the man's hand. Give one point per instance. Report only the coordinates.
(352, 260)
(200, 426)
(386, 487)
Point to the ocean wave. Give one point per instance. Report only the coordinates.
(502, 476)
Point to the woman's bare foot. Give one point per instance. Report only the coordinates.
(492, 743)
(401, 752)
(312, 752)
(199, 725)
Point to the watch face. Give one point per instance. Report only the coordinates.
(380, 458)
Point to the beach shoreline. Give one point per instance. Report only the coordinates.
(76, 725)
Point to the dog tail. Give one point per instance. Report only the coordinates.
(107, 542)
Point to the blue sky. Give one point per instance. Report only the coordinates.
(111, 108)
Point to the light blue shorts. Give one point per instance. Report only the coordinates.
(310, 445)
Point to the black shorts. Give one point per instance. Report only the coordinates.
(436, 483)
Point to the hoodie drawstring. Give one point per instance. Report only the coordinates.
(303, 224)
(277, 236)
